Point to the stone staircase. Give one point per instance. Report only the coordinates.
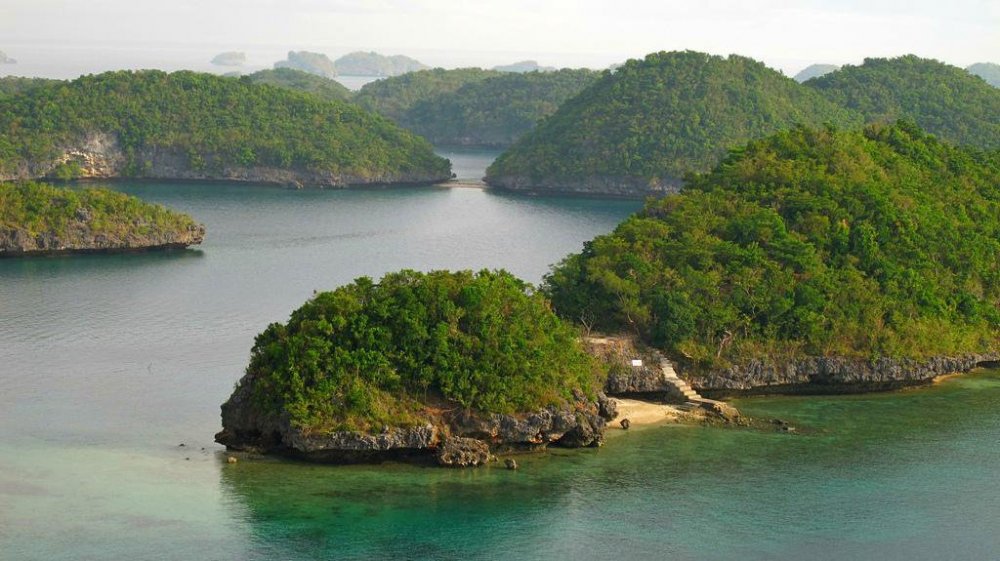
(684, 393)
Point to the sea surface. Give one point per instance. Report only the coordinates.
(109, 363)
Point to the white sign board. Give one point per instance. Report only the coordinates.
(636, 362)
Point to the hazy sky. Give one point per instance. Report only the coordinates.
(595, 33)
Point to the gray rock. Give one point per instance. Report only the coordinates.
(463, 452)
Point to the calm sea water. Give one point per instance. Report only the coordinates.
(108, 363)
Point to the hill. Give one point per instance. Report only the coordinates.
(375, 370)
(395, 97)
(944, 100)
(373, 64)
(988, 71)
(39, 218)
(485, 110)
(313, 63)
(639, 129)
(301, 81)
(187, 125)
(810, 242)
(814, 71)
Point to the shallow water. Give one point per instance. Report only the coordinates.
(108, 363)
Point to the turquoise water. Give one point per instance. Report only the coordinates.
(108, 363)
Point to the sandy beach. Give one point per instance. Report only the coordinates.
(640, 413)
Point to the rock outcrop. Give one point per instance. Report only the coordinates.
(605, 187)
(98, 155)
(821, 375)
(462, 438)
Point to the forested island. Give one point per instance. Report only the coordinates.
(523, 66)
(36, 218)
(362, 63)
(815, 71)
(815, 259)
(418, 364)
(313, 63)
(639, 129)
(988, 71)
(4, 59)
(187, 125)
(944, 100)
(230, 58)
(298, 80)
(473, 107)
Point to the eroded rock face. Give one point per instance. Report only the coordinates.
(460, 438)
(613, 187)
(832, 374)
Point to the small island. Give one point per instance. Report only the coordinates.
(373, 64)
(815, 71)
(989, 71)
(4, 59)
(445, 366)
(230, 58)
(38, 219)
(313, 63)
(524, 66)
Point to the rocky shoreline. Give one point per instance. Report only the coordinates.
(604, 187)
(99, 156)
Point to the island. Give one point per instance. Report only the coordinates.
(473, 107)
(815, 260)
(362, 63)
(440, 366)
(523, 66)
(297, 80)
(230, 58)
(37, 218)
(638, 130)
(198, 126)
(313, 63)
(989, 71)
(4, 59)
(943, 99)
(815, 71)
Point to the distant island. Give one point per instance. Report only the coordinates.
(188, 125)
(230, 58)
(362, 63)
(943, 99)
(988, 71)
(41, 219)
(443, 365)
(812, 260)
(297, 80)
(638, 130)
(523, 66)
(313, 63)
(473, 107)
(4, 59)
(815, 71)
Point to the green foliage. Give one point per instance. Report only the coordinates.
(654, 120)
(369, 354)
(297, 80)
(11, 85)
(470, 106)
(211, 121)
(882, 242)
(943, 99)
(37, 209)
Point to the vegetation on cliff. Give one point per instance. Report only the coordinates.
(944, 100)
(208, 123)
(297, 80)
(372, 354)
(651, 121)
(40, 217)
(362, 63)
(881, 242)
(988, 71)
(492, 111)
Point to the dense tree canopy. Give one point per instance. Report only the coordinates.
(369, 354)
(292, 79)
(653, 120)
(882, 242)
(395, 97)
(944, 100)
(210, 121)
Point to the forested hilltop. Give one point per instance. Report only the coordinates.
(472, 107)
(944, 100)
(199, 126)
(39, 218)
(639, 129)
(810, 242)
(298, 80)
